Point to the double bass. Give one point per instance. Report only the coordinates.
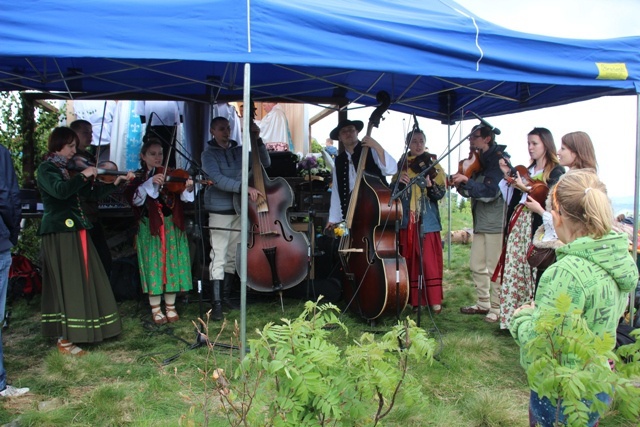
(276, 254)
(376, 281)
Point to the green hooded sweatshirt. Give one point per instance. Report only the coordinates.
(598, 276)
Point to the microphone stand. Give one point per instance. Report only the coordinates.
(201, 338)
(421, 283)
(174, 143)
(397, 193)
(312, 254)
(421, 175)
(399, 224)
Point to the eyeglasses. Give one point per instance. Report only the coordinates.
(474, 137)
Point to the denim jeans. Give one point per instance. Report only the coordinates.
(5, 263)
(543, 414)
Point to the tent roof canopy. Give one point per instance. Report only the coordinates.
(435, 59)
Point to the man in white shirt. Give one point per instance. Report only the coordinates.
(379, 163)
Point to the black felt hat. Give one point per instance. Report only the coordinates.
(336, 132)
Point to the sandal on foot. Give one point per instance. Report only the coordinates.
(158, 317)
(473, 309)
(67, 347)
(491, 318)
(172, 314)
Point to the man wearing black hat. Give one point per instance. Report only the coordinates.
(379, 163)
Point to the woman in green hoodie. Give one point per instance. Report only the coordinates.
(594, 268)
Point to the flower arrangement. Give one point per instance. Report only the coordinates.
(340, 230)
(312, 165)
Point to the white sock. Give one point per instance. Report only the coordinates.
(170, 299)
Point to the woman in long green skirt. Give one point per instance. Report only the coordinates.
(77, 301)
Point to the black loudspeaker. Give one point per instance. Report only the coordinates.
(125, 279)
(330, 288)
(283, 163)
(328, 274)
(327, 260)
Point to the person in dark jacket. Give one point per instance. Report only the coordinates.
(10, 211)
(487, 209)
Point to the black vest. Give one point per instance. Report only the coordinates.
(342, 174)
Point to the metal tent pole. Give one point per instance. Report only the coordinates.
(634, 251)
(244, 210)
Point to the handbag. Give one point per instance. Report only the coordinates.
(540, 258)
(541, 254)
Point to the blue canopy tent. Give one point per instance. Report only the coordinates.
(306, 51)
(434, 58)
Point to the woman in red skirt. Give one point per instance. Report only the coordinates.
(420, 241)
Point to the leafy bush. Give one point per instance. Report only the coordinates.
(315, 146)
(464, 206)
(562, 336)
(294, 375)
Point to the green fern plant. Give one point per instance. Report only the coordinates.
(295, 376)
(571, 366)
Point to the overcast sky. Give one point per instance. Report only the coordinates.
(610, 121)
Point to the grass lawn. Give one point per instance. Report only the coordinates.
(150, 375)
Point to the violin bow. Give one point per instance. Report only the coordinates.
(104, 112)
(166, 161)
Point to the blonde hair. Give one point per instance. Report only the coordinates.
(581, 198)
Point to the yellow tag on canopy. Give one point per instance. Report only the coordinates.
(68, 222)
(612, 71)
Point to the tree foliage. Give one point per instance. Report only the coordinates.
(12, 128)
(571, 366)
(12, 123)
(295, 376)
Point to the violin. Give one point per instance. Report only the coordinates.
(422, 162)
(175, 180)
(537, 189)
(469, 166)
(107, 170)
